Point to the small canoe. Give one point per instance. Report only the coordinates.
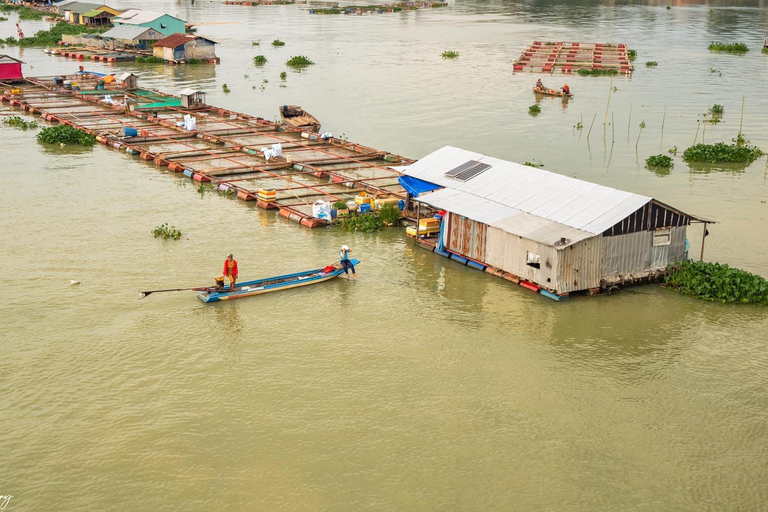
(273, 284)
(296, 117)
(552, 92)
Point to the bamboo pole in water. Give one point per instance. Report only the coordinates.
(591, 125)
(704, 131)
(629, 123)
(661, 143)
(698, 125)
(613, 130)
(741, 119)
(638, 135)
(607, 105)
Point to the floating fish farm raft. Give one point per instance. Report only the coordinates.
(224, 149)
(551, 57)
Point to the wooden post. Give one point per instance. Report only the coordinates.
(418, 212)
(741, 119)
(703, 236)
(591, 125)
(704, 131)
(661, 143)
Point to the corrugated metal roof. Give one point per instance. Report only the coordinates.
(503, 217)
(136, 17)
(130, 32)
(575, 203)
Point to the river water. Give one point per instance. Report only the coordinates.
(424, 385)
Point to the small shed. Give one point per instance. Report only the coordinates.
(10, 69)
(559, 233)
(99, 17)
(192, 98)
(181, 47)
(127, 35)
(128, 81)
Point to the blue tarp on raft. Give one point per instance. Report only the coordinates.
(415, 186)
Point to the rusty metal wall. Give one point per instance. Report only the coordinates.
(580, 265)
(633, 255)
(509, 252)
(466, 237)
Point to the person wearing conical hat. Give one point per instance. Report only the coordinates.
(346, 264)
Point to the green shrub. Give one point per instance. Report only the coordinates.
(534, 110)
(390, 214)
(717, 110)
(165, 232)
(597, 72)
(299, 61)
(65, 134)
(283, 75)
(367, 222)
(717, 46)
(450, 54)
(713, 281)
(25, 13)
(259, 60)
(340, 205)
(658, 161)
(278, 42)
(52, 36)
(19, 122)
(632, 54)
(651, 64)
(721, 152)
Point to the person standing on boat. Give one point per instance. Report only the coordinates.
(566, 89)
(230, 270)
(346, 264)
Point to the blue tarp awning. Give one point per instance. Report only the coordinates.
(415, 186)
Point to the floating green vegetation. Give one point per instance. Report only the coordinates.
(651, 64)
(535, 163)
(278, 42)
(25, 13)
(65, 134)
(367, 222)
(717, 46)
(165, 232)
(550, 43)
(632, 54)
(672, 150)
(669, 7)
(578, 126)
(765, 50)
(534, 110)
(658, 161)
(20, 123)
(642, 124)
(716, 282)
(353, 8)
(205, 188)
(299, 61)
(717, 110)
(256, 43)
(340, 205)
(52, 36)
(259, 60)
(226, 89)
(193, 61)
(450, 54)
(283, 75)
(597, 72)
(3, 18)
(609, 45)
(390, 214)
(149, 60)
(720, 152)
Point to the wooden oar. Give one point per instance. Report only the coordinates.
(199, 289)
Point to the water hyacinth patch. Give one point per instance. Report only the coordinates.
(658, 161)
(534, 110)
(597, 72)
(259, 60)
(651, 64)
(20, 123)
(65, 134)
(717, 46)
(450, 54)
(299, 61)
(716, 282)
(278, 42)
(165, 232)
(721, 152)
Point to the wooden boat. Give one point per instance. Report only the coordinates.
(273, 284)
(297, 117)
(552, 92)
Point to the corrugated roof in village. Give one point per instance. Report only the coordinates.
(579, 204)
(126, 32)
(136, 16)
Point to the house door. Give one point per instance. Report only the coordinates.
(178, 53)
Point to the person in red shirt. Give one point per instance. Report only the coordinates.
(230, 271)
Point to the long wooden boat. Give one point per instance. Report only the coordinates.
(297, 117)
(273, 284)
(552, 92)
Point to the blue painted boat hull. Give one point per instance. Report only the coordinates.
(272, 284)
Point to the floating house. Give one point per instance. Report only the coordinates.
(10, 69)
(128, 35)
(181, 47)
(163, 23)
(554, 233)
(128, 81)
(72, 11)
(192, 98)
(99, 17)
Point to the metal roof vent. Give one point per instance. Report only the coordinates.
(563, 241)
(467, 170)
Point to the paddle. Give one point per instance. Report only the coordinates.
(199, 289)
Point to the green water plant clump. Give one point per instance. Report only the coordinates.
(651, 64)
(765, 50)
(534, 110)
(3, 18)
(658, 161)
(299, 61)
(52, 36)
(193, 61)
(632, 54)
(450, 54)
(26, 13)
(149, 60)
(225, 88)
(597, 72)
(716, 282)
(720, 152)
(278, 42)
(165, 232)
(65, 134)
(259, 60)
(20, 123)
(283, 75)
(367, 222)
(390, 214)
(717, 46)
(717, 110)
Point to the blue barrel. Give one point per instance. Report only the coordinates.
(365, 207)
(130, 132)
(401, 205)
(438, 216)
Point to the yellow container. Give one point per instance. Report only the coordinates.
(411, 230)
(267, 195)
(363, 198)
(429, 224)
(382, 200)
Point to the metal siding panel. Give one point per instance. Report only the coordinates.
(508, 252)
(580, 266)
(626, 255)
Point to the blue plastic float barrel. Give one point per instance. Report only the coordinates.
(130, 132)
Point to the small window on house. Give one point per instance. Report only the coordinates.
(662, 236)
(533, 260)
